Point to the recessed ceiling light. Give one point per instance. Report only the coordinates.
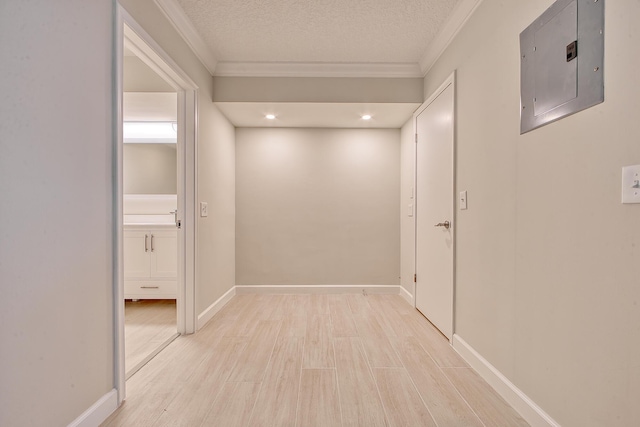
(366, 117)
(270, 116)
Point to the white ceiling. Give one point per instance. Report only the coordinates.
(401, 38)
(319, 38)
(327, 31)
(317, 115)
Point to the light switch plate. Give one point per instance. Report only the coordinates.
(631, 184)
(204, 210)
(463, 200)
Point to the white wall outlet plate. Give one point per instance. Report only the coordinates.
(463, 200)
(631, 184)
(204, 210)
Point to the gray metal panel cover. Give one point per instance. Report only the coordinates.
(552, 85)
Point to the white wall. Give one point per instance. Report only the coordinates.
(56, 228)
(215, 273)
(317, 207)
(149, 168)
(548, 267)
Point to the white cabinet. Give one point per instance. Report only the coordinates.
(150, 262)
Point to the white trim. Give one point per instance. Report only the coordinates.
(445, 36)
(214, 308)
(317, 289)
(150, 52)
(526, 407)
(129, 32)
(318, 69)
(181, 22)
(118, 209)
(407, 296)
(98, 412)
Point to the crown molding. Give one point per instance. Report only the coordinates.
(459, 17)
(317, 69)
(187, 31)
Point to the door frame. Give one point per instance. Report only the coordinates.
(147, 49)
(449, 81)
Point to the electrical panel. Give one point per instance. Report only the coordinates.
(562, 62)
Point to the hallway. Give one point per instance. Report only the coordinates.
(326, 360)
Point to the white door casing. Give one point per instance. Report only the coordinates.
(142, 44)
(434, 124)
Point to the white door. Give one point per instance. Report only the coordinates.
(434, 215)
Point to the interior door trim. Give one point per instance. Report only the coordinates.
(449, 81)
(149, 51)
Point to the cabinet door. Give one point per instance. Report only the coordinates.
(164, 255)
(136, 254)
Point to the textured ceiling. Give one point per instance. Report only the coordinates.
(313, 31)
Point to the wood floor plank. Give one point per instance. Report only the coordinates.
(277, 401)
(248, 361)
(401, 400)
(392, 319)
(342, 324)
(188, 408)
(377, 346)
(490, 407)
(359, 399)
(148, 325)
(216, 368)
(233, 405)
(318, 347)
(359, 304)
(318, 304)
(292, 310)
(446, 405)
(318, 404)
(433, 341)
(253, 361)
(142, 409)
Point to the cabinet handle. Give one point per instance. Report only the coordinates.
(152, 243)
(146, 248)
(149, 287)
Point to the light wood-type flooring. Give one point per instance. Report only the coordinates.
(312, 360)
(148, 325)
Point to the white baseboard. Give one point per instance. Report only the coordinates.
(211, 311)
(98, 412)
(407, 296)
(526, 407)
(317, 289)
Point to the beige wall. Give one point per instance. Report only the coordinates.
(317, 207)
(215, 273)
(138, 77)
(149, 168)
(548, 268)
(216, 186)
(56, 228)
(407, 199)
(317, 89)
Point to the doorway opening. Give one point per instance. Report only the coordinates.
(155, 199)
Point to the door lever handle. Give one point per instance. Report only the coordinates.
(445, 224)
(175, 218)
